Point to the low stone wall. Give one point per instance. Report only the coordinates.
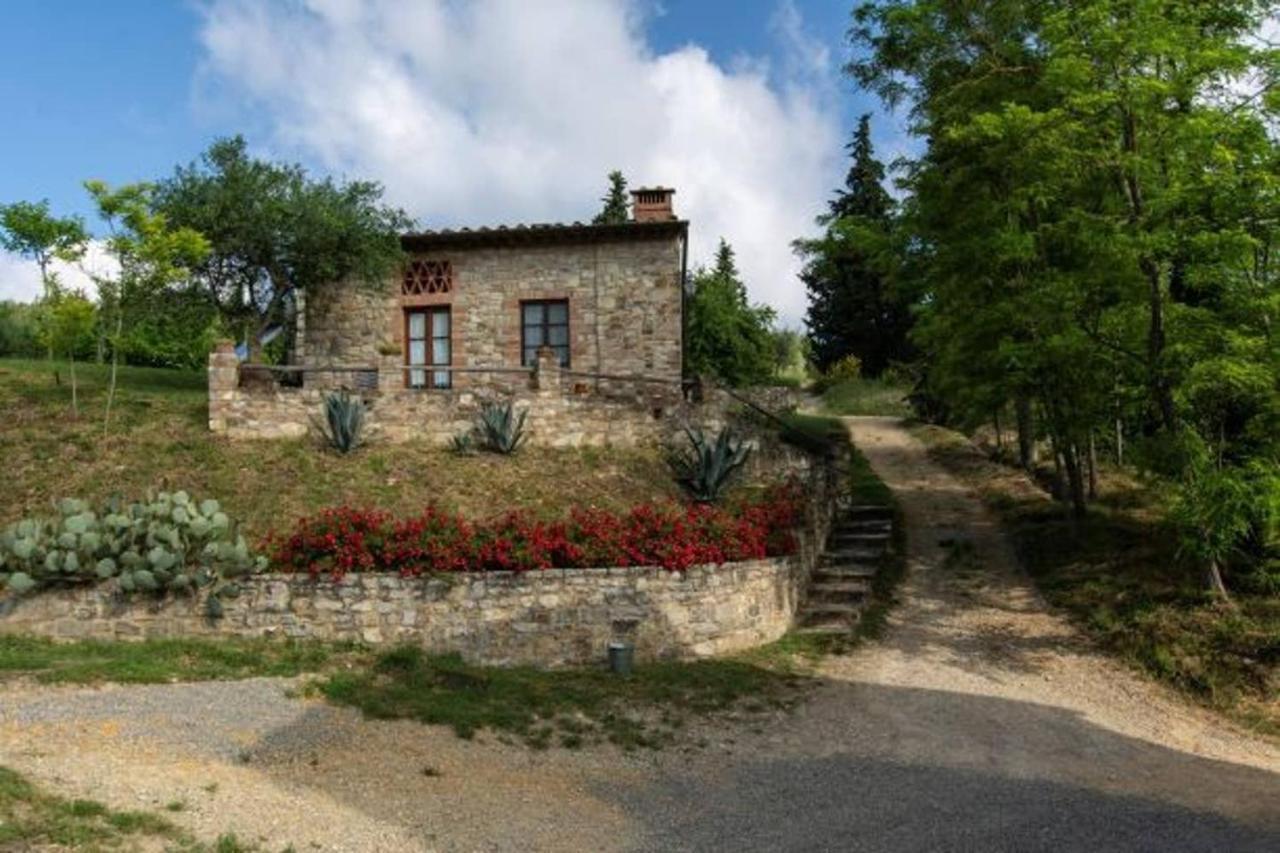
(563, 410)
(551, 617)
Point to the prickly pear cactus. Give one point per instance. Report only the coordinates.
(166, 542)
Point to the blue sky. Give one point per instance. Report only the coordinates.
(125, 90)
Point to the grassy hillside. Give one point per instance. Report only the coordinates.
(865, 397)
(160, 438)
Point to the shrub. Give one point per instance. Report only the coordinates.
(705, 468)
(341, 540)
(343, 422)
(500, 427)
(846, 369)
(167, 542)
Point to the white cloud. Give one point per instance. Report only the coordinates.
(20, 278)
(501, 111)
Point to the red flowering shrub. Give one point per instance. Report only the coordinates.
(670, 535)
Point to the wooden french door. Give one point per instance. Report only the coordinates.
(428, 333)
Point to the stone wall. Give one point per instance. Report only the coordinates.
(624, 308)
(560, 413)
(561, 616)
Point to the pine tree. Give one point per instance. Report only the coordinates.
(728, 337)
(853, 309)
(616, 208)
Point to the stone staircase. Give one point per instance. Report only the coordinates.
(841, 582)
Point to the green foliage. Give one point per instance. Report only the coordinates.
(727, 337)
(854, 304)
(616, 205)
(1221, 514)
(167, 542)
(705, 468)
(343, 421)
(1062, 264)
(273, 230)
(500, 429)
(67, 323)
(847, 369)
(172, 328)
(19, 329)
(28, 229)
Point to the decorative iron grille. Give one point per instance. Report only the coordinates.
(423, 277)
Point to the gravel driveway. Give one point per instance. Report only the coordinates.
(980, 722)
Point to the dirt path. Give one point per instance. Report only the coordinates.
(980, 721)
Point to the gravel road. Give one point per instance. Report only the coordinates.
(980, 722)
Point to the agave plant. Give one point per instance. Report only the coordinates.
(464, 443)
(706, 467)
(343, 421)
(500, 427)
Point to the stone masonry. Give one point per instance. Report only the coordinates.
(559, 616)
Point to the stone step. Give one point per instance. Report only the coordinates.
(834, 589)
(845, 571)
(853, 537)
(867, 525)
(827, 627)
(830, 608)
(864, 512)
(835, 556)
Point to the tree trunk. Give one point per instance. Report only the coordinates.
(1119, 443)
(75, 402)
(1093, 467)
(1213, 579)
(1075, 479)
(995, 417)
(1160, 387)
(1026, 433)
(115, 363)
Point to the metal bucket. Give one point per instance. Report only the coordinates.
(621, 658)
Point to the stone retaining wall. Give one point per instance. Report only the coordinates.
(559, 616)
(563, 411)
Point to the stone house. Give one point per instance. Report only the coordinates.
(606, 299)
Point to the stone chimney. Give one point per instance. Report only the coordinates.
(652, 204)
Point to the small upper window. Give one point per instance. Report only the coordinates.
(423, 277)
(544, 323)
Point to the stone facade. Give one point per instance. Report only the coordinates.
(539, 617)
(622, 289)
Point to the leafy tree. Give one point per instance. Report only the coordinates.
(152, 255)
(68, 330)
(30, 230)
(274, 231)
(854, 308)
(616, 206)
(1090, 226)
(728, 337)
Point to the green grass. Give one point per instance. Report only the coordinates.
(828, 434)
(31, 818)
(1117, 574)
(568, 707)
(160, 661)
(866, 397)
(160, 438)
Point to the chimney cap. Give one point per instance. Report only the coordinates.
(652, 204)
